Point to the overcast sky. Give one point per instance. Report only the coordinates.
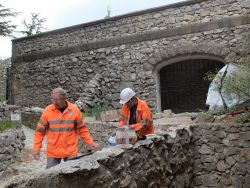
(66, 13)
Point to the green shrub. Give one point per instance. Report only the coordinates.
(245, 118)
(2, 98)
(6, 125)
(96, 111)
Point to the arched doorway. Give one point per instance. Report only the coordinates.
(182, 84)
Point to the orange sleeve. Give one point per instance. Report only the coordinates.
(146, 120)
(123, 117)
(83, 129)
(40, 132)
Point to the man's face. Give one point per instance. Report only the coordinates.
(132, 102)
(58, 101)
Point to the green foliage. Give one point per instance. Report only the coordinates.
(96, 111)
(210, 75)
(245, 118)
(6, 28)
(6, 125)
(2, 98)
(238, 84)
(34, 25)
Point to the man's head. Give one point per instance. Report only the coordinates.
(127, 97)
(58, 97)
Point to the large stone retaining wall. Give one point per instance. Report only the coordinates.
(222, 155)
(94, 61)
(158, 162)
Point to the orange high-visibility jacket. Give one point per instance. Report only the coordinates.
(144, 118)
(61, 129)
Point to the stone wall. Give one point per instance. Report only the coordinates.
(171, 16)
(4, 65)
(94, 61)
(11, 140)
(222, 155)
(5, 111)
(207, 155)
(162, 161)
(11, 145)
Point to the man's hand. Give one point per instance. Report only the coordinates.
(93, 146)
(36, 155)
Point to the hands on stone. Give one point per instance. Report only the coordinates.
(93, 146)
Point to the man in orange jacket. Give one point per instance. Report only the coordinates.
(135, 113)
(61, 121)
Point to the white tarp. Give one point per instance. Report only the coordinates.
(215, 97)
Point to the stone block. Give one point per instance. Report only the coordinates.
(231, 151)
(205, 149)
(111, 115)
(167, 113)
(209, 180)
(225, 179)
(30, 119)
(237, 181)
(221, 166)
(89, 119)
(157, 116)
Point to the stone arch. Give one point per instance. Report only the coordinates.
(175, 54)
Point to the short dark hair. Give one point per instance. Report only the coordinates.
(60, 91)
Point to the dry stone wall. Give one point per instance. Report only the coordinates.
(157, 162)
(222, 155)
(11, 145)
(206, 155)
(11, 140)
(94, 61)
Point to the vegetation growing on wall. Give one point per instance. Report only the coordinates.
(96, 111)
(34, 25)
(6, 125)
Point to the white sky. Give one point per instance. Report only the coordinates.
(64, 13)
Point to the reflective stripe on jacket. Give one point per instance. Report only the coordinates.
(144, 118)
(61, 129)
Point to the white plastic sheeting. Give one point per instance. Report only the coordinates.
(215, 97)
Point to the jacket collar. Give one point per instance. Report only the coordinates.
(68, 107)
(139, 105)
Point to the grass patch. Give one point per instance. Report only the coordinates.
(6, 125)
(96, 111)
